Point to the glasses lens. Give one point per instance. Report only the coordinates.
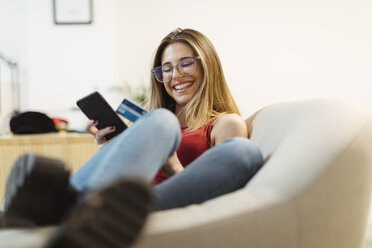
(187, 66)
(167, 71)
(159, 74)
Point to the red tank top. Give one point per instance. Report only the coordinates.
(193, 144)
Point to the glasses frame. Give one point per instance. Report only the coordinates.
(173, 66)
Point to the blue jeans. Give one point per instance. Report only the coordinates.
(142, 149)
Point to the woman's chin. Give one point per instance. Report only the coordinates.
(182, 101)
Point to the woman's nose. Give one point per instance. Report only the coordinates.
(176, 73)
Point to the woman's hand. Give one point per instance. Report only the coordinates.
(99, 135)
(172, 166)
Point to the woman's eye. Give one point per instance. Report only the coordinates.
(167, 69)
(186, 64)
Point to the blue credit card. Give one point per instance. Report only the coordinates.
(130, 110)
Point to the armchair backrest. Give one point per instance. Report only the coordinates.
(319, 158)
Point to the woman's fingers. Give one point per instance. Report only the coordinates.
(100, 135)
(90, 128)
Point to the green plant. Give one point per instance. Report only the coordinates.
(136, 93)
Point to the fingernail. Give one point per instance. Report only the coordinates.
(94, 122)
(112, 128)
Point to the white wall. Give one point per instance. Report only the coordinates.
(13, 45)
(67, 61)
(271, 50)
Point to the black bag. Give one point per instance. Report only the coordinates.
(31, 123)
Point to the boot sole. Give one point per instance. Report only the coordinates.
(35, 190)
(112, 217)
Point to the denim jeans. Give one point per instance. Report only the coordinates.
(142, 149)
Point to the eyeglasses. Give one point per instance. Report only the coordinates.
(186, 67)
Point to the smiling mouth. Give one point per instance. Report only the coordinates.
(182, 86)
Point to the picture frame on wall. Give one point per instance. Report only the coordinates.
(70, 12)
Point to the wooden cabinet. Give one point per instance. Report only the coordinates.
(72, 148)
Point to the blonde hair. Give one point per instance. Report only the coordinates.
(213, 98)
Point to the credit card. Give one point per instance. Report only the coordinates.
(130, 110)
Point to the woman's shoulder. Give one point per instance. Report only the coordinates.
(228, 126)
(229, 120)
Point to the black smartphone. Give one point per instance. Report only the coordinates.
(95, 107)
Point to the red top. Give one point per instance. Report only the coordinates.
(193, 144)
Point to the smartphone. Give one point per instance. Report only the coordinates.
(95, 107)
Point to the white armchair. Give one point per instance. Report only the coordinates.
(313, 191)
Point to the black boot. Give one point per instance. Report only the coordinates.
(38, 191)
(112, 217)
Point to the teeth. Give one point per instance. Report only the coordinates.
(181, 86)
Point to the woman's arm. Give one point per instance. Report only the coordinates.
(172, 166)
(227, 127)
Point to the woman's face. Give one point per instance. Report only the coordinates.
(181, 88)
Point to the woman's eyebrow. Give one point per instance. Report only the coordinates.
(165, 63)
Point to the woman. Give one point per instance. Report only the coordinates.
(193, 135)
(188, 80)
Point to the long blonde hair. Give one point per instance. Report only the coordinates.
(213, 97)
